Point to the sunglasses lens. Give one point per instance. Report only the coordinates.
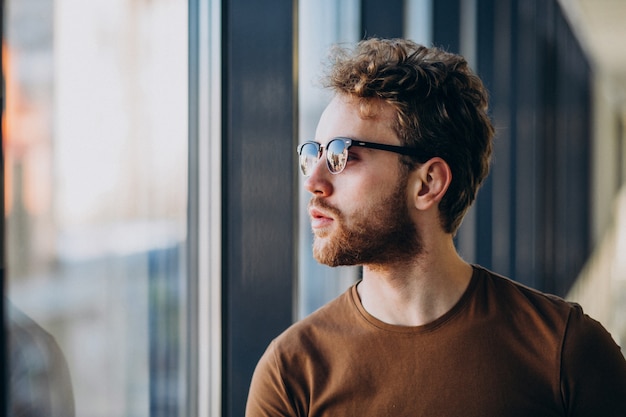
(309, 155)
(336, 155)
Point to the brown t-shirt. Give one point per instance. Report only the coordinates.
(502, 350)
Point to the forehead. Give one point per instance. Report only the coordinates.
(365, 119)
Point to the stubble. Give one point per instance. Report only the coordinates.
(378, 235)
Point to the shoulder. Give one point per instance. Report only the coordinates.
(523, 300)
(514, 299)
(547, 322)
(279, 382)
(311, 337)
(327, 322)
(591, 367)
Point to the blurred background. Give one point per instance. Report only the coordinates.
(154, 231)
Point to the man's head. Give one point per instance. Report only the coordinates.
(440, 109)
(359, 213)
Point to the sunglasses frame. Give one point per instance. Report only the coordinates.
(348, 143)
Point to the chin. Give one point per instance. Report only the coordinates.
(323, 254)
(329, 261)
(332, 253)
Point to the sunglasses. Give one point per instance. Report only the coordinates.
(337, 153)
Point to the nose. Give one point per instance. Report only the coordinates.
(318, 183)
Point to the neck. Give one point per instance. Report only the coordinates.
(418, 292)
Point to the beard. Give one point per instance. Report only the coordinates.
(378, 235)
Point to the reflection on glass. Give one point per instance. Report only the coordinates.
(39, 379)
(95, 135)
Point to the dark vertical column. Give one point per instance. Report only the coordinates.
(573, 158)
(526, 153)
(503, 103)
(539, 81)
(559, 132)
(382, 19)
(259, 201)
(447, 24)
(548, 82)
(485, 68)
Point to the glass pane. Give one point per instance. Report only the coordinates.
(418, 21)
(96, 193)
(322, 23)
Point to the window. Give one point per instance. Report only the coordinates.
(322, 24)
(96, 141)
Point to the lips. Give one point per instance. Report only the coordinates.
(319, 219)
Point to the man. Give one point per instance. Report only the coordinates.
(398, 158)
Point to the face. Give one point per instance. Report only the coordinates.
(361, 216)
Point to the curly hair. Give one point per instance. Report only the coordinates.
(441, 108)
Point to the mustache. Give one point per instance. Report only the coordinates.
(319, 203)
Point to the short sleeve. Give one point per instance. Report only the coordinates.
(268, 395)
(593, 369)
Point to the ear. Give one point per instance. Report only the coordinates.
(431, 181)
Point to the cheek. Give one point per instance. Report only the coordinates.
(358, 193)
(353, 196)
(362, 202)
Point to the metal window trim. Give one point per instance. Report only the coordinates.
(205, 208)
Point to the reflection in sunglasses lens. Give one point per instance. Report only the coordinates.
(336, 153)
(309, 154)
